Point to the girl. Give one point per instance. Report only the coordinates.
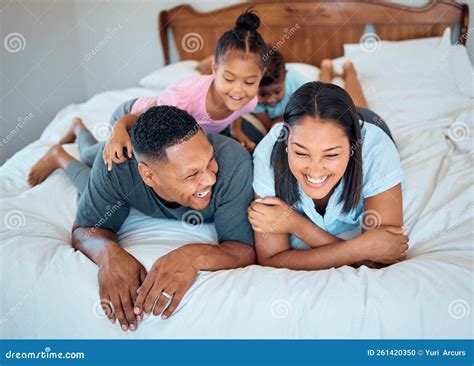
(321, 177)
(213, 100)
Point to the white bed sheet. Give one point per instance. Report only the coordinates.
(51, 291)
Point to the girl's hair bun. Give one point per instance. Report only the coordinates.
(248, 21)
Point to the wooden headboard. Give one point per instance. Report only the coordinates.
(309, 31)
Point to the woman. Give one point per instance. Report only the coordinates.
(320, 178)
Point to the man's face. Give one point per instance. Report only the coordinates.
(187, 176)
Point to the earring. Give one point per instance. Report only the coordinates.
(286, 149)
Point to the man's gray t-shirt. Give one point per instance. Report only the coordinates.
(108, 197)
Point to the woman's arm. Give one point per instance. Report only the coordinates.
(310, 233)
(382, 239)
(274, 250)
(385, 208)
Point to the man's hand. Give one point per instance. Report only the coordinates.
(172, 274)
(120, 275)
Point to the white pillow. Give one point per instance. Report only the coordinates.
(309, 71)
(370, 44)
(462, 69)
(418, 59)
(168, 75)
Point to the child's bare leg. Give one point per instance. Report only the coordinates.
(326, 73)
(55, 158)
(352, 85)
(71, 135)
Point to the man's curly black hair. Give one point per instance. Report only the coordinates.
(160, 128)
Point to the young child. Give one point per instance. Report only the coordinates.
(277, 86)
(215, 101)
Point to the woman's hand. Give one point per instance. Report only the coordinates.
(113, 149)
(271, 215)
(385, 244)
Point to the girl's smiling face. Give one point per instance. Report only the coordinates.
(318, 155)
(236, 79)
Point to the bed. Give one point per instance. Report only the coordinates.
(51, 291)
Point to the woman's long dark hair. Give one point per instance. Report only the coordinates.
(328, 102)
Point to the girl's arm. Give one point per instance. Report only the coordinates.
(126, 121)
(266, 121)
(236, 131)
(277, 119)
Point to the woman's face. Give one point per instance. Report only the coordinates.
(318, 154)
(237, 77)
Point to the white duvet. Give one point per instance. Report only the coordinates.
(51, 291)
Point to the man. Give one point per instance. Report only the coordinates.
(175, 170)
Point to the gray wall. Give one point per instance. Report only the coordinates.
(67, 51)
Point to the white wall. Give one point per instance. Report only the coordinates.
(55, 65)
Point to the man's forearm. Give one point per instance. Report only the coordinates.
(227, 255)
(95, 243)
